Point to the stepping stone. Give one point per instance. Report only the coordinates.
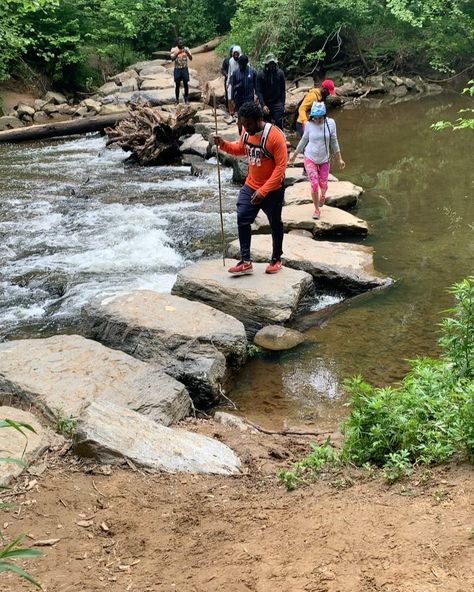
(195, 144)
(26, 448)
(157, 81)
(256, 300)
(344, 265)
(64, 374)
(277, 338)
(110, 434)
(333, 221)
(340, 194)
(189, 340)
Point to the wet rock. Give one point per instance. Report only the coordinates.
(195, 144)
(201, 168)
(189, 340)
(333, 221)
(300, 232)
(345, 265)
(68, 372)
(208, 129)
(256, 300)
(55, 98)
(9, 122)
(278, 338)
(26, 447)
(340, 194)
(110, 434)
(349, 88)
(240, 170)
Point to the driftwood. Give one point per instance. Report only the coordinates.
(209, 46)
(61, 128)
(151, 134)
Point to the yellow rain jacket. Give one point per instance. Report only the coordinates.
(314, 94)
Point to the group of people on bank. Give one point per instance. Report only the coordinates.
(258, 99)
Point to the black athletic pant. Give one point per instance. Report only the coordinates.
(181, 75)
(277, 112)
(247, 212)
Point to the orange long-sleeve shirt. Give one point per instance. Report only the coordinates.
(265, 174)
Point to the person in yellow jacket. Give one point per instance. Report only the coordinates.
(314, 95)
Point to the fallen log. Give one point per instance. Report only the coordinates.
(209, 46)
(61, 128)
(150, 133)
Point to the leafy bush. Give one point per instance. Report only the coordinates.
(429, 418)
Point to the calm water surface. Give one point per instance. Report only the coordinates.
(75, 222)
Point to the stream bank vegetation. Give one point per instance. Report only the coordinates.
(13, 551)
(427, 419)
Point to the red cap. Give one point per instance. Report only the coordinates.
(329, 86)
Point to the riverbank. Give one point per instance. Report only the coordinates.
(122, 529)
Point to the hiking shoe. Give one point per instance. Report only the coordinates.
(274, 266)
(317, 214)
(242, 268)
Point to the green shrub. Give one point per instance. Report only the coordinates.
(429, 418)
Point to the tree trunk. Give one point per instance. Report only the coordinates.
(62, 128)
(209, 46)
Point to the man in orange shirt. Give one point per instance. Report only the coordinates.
(267, 153)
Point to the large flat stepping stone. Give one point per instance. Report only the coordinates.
(110, 433)
(333, 221)
(256, 300)
(64, 374)
(190, 340)
(344, 265)
(13, 444)
(340, 194)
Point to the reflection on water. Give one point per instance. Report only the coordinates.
(419, 204)
(75, 222)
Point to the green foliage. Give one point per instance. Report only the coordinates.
(429, 418)
(65, 425)
(14, 550)
(321, 458)
(379, 35)
(461, 122)
(60, 36)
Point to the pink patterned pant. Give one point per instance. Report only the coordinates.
(318, 175)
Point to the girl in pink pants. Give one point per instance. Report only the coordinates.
(319, 141)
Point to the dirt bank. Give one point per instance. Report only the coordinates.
(157, 533)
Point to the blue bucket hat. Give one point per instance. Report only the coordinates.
(318, 109)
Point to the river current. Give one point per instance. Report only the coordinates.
(76, 222)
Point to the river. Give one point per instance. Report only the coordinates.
(76, 222)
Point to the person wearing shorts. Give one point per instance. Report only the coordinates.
(180, 56)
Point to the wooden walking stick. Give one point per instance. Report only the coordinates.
(219, 182)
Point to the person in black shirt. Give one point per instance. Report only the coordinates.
(243, 83)
(271, 90)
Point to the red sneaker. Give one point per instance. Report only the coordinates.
(242, 268)
(274, 266)
(317, 214)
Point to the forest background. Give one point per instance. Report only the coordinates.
(76, 44)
